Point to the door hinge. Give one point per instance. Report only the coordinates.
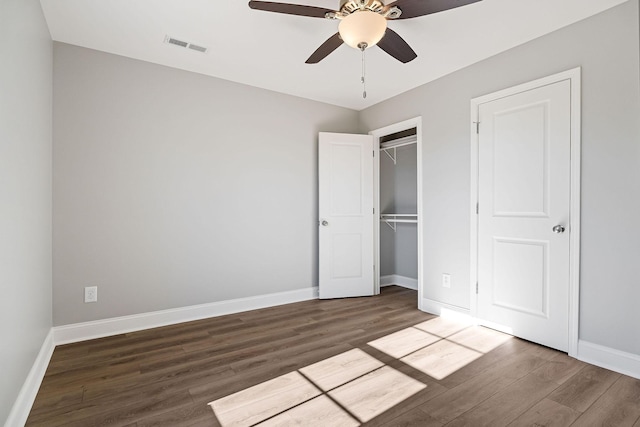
(374, 154)
(476, 288)
(477, 208)
(374, 211)
(477, 127)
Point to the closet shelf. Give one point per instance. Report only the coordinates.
(392, 145)
(392, 219)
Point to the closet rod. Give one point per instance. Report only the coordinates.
(392, 219)
(396, 144)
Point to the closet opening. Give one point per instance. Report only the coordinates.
(397, 231)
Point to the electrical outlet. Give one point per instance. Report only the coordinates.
(91, 294)
(446, 280)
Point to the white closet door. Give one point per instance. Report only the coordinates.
(523, 223)
(345, 170)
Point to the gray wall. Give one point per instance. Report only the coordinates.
(398, 194)
(173, 188)
(606, 46)
(25, 192)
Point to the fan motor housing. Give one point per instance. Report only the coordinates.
(350, 6)
(347, 7)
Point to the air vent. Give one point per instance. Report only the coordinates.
(177, 42)
(184, 44)
(198, 48)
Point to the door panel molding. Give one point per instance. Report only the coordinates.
(498, 291)
(573, 76)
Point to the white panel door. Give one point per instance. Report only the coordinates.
(523, 221)
(345, 169)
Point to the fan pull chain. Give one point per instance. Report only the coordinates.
(362, 47)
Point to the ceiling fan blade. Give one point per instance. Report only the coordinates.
(414, 8)
(395, 46)
(325, 49)
(290, 9)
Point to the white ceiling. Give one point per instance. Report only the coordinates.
(269, 50)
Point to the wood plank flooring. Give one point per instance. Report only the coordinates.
(374, 361)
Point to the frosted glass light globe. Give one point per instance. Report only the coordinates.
(362, 26)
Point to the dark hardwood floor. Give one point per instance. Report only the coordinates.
(465, 376)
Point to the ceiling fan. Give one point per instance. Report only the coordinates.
(363, 23)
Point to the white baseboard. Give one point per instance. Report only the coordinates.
(395, 279)
(101, 328)
(609, 358)
(22, 406)
(615, 360)
(446, 310)
(119, 325)
(595, 354)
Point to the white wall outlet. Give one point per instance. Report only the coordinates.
(446, 280)
(91, 294)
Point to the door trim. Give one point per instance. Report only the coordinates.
(377, 134)
(573, 76)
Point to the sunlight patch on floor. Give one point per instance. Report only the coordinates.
(345, 389)
(337, 370)
(257, 403)
(441, 359)
(354, 387)
(404, 342)
(440, 346)
(376, 392)
(318, 412)
(480, 339)
(442, 327)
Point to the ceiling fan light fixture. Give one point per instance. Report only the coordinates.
(362, 27)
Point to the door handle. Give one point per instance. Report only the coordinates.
(324, 223)
(558, 229)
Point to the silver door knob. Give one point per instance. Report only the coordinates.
(558, 229)
(324, 223)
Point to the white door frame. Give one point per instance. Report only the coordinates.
(415, 122)
(574, 243)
